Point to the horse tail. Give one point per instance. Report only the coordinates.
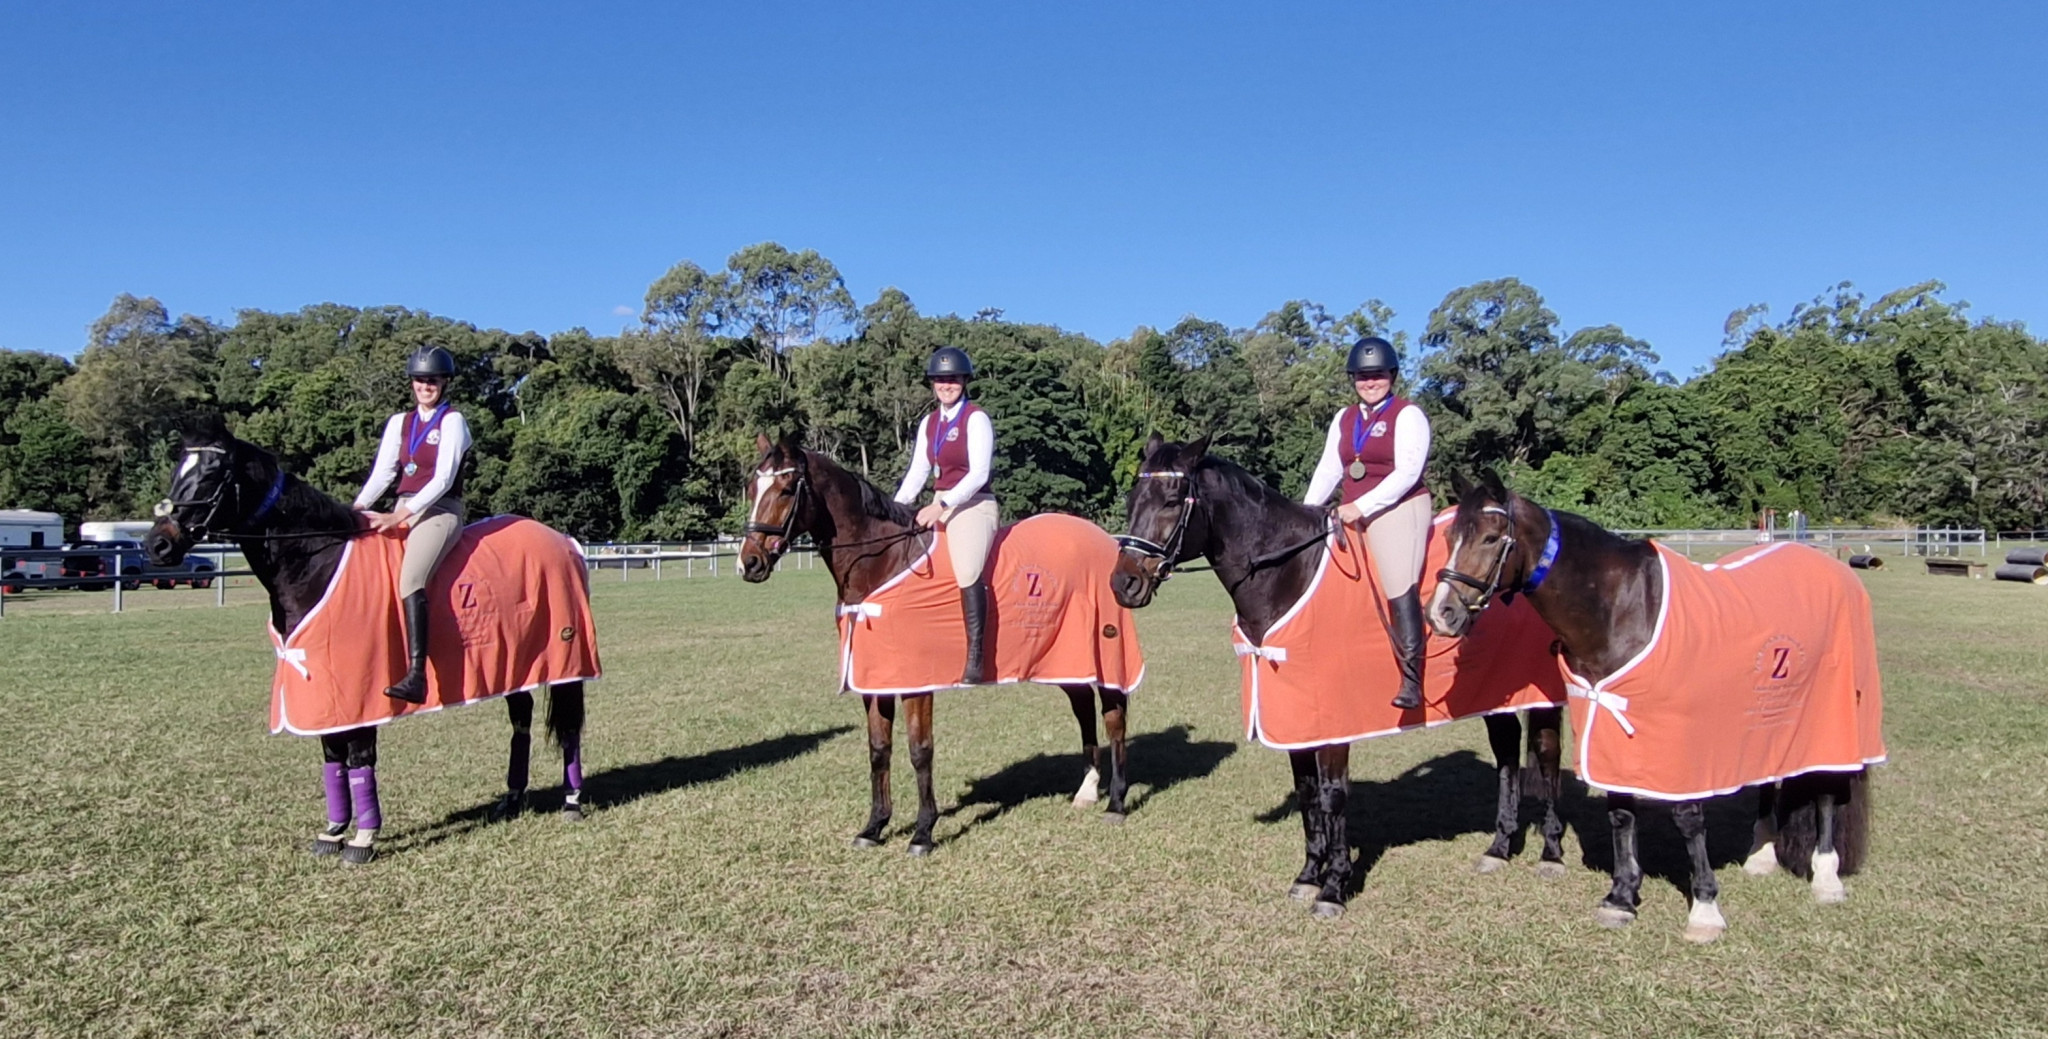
(565, 715)
(1799, 820)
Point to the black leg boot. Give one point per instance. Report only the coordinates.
(1411, 645)
(974, 607)
(413, 687)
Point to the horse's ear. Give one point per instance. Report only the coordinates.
(1490, 479)
(762, 443)
(1152, 444)
(1191, 455)
(205, 427)
(1461, 488)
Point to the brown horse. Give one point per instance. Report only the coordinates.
(1603, 595)
(865, 539)
(1188, 504)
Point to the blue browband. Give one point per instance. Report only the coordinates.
(277, 491)
(1549, 556)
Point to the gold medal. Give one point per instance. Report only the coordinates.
(1357, 470)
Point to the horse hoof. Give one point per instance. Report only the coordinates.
(1551, 870)
(1113, 818)
(1830, 894)
(508, 808)
(358, 854)
(324, 848)
(1082, 801)
(866, 842)
(572, 813)
(1614, 916)
(1322, 910)
(1303, 892)
(1702, 935)
(1489, 864)
(1762, 862)
(1704, 923)
(918, 851)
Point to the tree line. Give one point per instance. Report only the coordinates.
(1897, 409)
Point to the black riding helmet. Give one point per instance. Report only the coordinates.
(1372, 354)
(949, 360)
(430, 362)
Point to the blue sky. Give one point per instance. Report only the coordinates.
(1096, 166)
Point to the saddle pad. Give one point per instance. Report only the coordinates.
(1325, 671)
(1052, 616)
(510, 612)
(1762, 666)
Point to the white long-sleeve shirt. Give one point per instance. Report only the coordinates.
(448, 454)
(1411, 453)
(981, 453)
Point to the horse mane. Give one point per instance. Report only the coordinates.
(309, 504)
(873, 503)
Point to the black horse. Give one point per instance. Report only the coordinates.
(1602, 595)
(292, 536)
(865, 539)
(1187, 504)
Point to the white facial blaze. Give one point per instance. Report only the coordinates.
(762, 481)
(191, 462)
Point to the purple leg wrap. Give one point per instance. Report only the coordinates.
(336, 778)
(362, 785)
(572, 766)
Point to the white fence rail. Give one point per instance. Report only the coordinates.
(1901, 541)
(683, 559)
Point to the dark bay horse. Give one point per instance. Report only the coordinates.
(1602, 595)
(292, 536)
(865, 539)
(1265, 547)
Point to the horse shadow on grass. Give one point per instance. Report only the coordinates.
(614, 787)
(1159, 761)
(1454, 794)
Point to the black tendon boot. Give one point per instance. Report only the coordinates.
(974, 607)
(413, 687)
(1411, 644)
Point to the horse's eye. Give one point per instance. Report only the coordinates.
(1489, 539)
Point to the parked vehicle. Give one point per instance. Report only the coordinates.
(20, 528)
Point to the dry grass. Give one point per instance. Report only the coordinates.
(152, 879)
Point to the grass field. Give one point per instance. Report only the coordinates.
(153, 882)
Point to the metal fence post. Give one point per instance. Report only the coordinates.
(220, 580)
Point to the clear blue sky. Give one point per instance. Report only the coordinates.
(1096, 166)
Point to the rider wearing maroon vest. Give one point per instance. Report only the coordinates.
(1374, 456)
(955, 448)
(422, 448)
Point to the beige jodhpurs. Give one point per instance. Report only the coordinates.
(970, 530)
(1398, 538)
(429, 540)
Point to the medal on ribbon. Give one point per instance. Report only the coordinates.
(420, 432)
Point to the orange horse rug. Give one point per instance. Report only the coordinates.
(1762, 666)
(1053, 619)
(510, 612)
(1325, 671)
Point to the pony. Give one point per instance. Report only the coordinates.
(1188, 504)
(867, 541)
(1607, 599)
(293, 537)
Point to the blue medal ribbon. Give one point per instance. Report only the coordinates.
(419, 435)
(940, 427)
(1543, 562)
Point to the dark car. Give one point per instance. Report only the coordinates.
(89, 564)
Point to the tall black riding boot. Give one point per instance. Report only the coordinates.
(974, 607)
(413, 687)
(1411, 646)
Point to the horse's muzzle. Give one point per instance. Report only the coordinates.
(165, 543)
(1132, 587)
(757, 561)
(1448, 614)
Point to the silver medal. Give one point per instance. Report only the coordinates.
(1357, 470)
(413, 467)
